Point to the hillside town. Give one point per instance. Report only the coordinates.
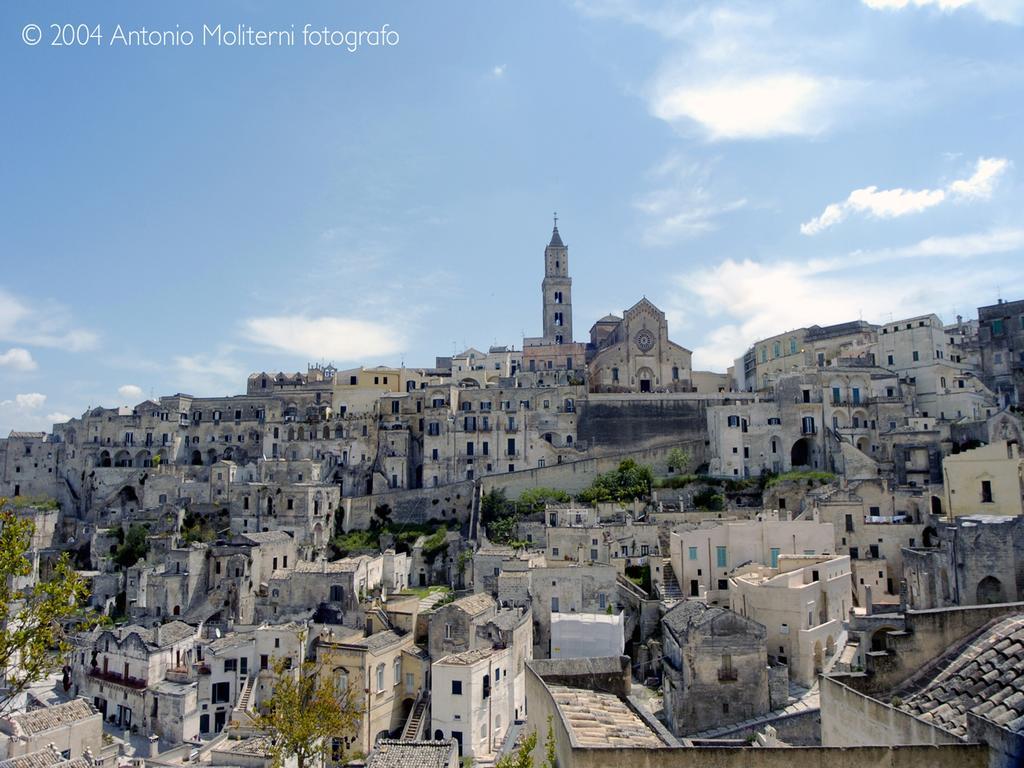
(815, 557)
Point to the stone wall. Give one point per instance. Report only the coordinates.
(570, 755)
(639, 420)
(850, 719)
(928, 635)
(446, 502)
(574, 476)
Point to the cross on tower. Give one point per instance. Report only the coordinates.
(556, 219)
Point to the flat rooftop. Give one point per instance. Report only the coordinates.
(602, 719)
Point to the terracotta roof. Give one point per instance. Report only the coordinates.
(474, 604)
(46, 719)
(986, 679)
(466, 658)
(391, 753)
(602, 719)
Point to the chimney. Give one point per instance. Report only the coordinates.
(154, 745)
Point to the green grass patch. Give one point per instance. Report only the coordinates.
(811, 477)
(44, 503)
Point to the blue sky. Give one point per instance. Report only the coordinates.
(174, 218)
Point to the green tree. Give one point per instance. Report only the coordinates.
(134, 547)
(678, 459)
(629, 481)
(523, 756)
(32, 639)
(533, 500)
(304, 713)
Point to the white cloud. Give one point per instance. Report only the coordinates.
(209, 375)
(682, 204)
(748, 300)
(57, 417)
(892, 203)
(130, 392)
(17, 359)
(736, 70)
(30, 401)
(335, 338)
(980, 185)
(760, 106)
(498, 70)
(1010, 11)
(41, 324)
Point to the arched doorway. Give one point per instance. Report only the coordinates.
(105, 459)
(800, 453)
(197, 459)
(990, 590)
(879, 642)
(936, 506)
(645, 378)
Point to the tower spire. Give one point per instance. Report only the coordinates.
(556, 239)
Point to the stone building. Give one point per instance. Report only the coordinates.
(634, 353)
(803, 603)
(974, 560)
(1001, 342)
(714, 667)
(569, 587)
(124, 673)
(703, 558)
(472, 700)
(383, 670)
(72, 728)
(988, 480)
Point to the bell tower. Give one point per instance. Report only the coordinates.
(557, 291)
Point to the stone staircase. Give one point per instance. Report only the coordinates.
(670, 591)
(414, 725)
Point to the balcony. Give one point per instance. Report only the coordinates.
(117, 679)
(727, 676)
(808, 430)
(180, 675)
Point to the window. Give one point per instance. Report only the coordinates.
(456, 687)
(602, 602)
(554, 604)
(397, 667)
(380, 678)
(693, 553)
(230, 665)
(916, 355)
(986, 491)
(221, 693)
(447, 631)
(725, 669)
(722, 557)
(836, 395)
(997, 327)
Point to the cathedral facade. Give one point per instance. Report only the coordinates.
(632, 353)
